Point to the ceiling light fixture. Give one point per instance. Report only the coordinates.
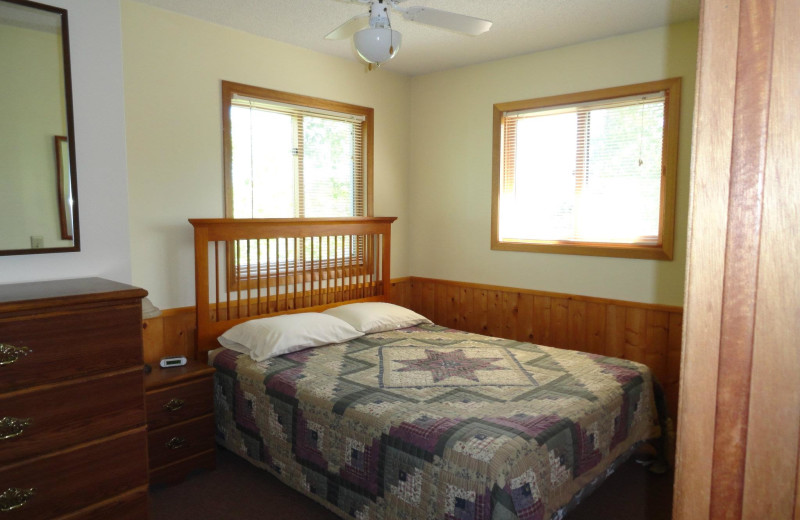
(377, 45)
(379, 42)
(375, 40)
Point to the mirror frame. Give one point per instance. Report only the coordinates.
(76, 244)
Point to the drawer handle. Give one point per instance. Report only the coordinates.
(10, 354)
(14, 498)
(173, 405)
(11, 427)
(176, 443)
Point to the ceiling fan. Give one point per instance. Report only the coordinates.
(375, 40)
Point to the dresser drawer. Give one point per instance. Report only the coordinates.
(53, 417)
(58, 346)
(181, 440)
(72, 479)
(133, 505)
(179, 402)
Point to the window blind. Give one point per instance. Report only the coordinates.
(294, 161)
(586, 173)
(275, 106)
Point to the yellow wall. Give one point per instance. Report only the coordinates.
(432, 152)
(451, 172)
(173, 66)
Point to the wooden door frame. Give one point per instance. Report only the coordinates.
(739, 412)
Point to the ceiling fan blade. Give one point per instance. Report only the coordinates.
(447, 20)
(349, 28)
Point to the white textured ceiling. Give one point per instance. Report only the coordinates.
(520, 26)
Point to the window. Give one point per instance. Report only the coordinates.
(591, 173)
(294, 156)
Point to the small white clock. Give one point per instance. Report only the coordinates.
(173, 361)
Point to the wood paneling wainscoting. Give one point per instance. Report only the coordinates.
(647, 333)
(171, 334)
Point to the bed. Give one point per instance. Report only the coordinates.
(402, 421)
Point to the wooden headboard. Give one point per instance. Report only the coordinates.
(251, 268)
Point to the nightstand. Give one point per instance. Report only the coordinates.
(180, 421)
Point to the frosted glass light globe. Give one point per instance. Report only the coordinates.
(373, 45)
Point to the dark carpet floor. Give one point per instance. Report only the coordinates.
(237, 490)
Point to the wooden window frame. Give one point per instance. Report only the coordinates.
(663, 249)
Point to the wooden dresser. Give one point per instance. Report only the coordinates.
(73, 439)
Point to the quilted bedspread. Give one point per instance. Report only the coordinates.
(429, 422)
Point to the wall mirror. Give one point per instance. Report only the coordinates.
(38, 185)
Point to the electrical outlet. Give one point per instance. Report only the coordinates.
(37, 242)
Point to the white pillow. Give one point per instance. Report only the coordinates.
(376, 316)
(269, 337)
